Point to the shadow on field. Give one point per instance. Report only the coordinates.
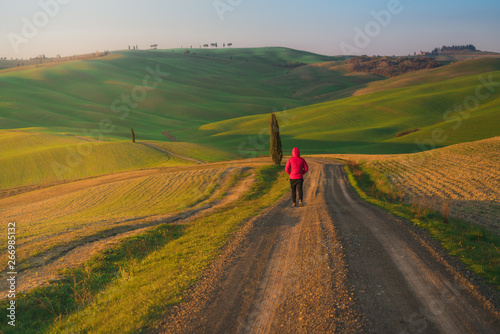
(79, 286)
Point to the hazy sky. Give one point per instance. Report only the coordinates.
(386, 27)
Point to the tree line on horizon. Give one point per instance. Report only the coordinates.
(445, 48)
(388, 66)
(42, 59)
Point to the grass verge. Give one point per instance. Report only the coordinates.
(476, 247)
(130, 287)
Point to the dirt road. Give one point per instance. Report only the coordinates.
(337, 265)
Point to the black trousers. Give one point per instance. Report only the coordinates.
(296, 185)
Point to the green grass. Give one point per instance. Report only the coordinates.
(76, 96)
(32, 157)
(202, 152)
(369, 123)
(452, 71)
(130, 287)
(476, 247)
(222, 98)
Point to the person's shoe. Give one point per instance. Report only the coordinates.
(300, 204)
(293, 204)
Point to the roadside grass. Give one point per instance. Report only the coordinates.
(476, 247)
(130, 287)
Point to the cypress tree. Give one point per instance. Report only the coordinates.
(276, 150)
(133, 135)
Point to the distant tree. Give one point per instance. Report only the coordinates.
(129, 47)
(154, 46)
(205, 45)
(229, 44)
(468, 47)
(133, 135)
(276, 149)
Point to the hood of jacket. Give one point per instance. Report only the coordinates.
(295, 152)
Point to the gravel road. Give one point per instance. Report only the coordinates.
(336, 265)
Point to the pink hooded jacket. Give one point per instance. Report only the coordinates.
(296, 166)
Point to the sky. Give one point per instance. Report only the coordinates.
(29, 28)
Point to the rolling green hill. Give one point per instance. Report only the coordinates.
(455, 70)
(216, 103)
(32, 157)
(369, 123)
(187, 90)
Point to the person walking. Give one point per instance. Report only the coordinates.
(296, 167)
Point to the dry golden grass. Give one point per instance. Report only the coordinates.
(463, 179)
(78, 210)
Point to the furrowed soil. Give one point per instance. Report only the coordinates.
(80, 244)
(464, 177)
(336, 265)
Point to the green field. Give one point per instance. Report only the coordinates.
(369, 123)
(32, 157)
(220, 97)
(72, 120)
(184, 91)
(217, 102)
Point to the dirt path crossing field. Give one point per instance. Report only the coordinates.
(337, 265)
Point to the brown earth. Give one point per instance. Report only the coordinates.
(45, 268)
(337, 265)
